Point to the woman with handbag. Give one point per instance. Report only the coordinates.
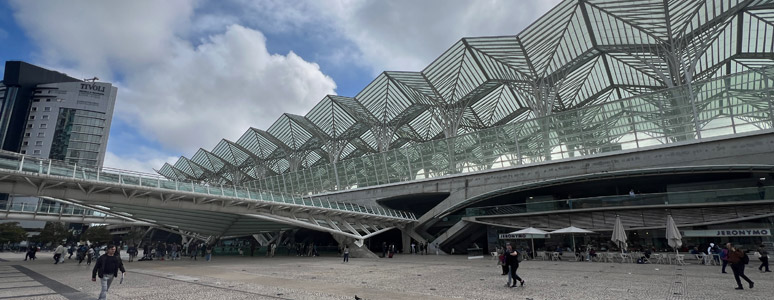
(501, 260)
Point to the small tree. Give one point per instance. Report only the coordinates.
(97, 234)
(12, 233)
(53, 232)
(134, 236)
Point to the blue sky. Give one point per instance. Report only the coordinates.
(191, 72)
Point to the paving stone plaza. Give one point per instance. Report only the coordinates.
(403, 277)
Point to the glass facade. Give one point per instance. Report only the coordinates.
(77, 136)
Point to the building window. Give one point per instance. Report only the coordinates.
(24, 152)
(32, 117)
(47, 108)
(41, 134)
(43, 126)
(34, 108)
(36, 151)
(25, 143)
(38, 143)
(27, 134)
(29, 125)
(45, 117)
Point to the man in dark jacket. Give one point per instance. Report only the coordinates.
(512, 261)
(107, 268)
(735, 258)
(764, 259)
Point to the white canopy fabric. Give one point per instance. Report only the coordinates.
(572, 230)
(530, 230)
(619, 234)
(674, 238)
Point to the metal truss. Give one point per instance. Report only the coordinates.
(580, 54)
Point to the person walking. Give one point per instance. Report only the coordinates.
(501, 260)
(764, 258)
(384, 249)
(60, 250)
(209, 253)
(106, 268)
(173, 249)
(132, 251)
(30, 253)
(82, 249)
(724, 257)
(89, 255)
(738, 259)
(194, 249)
(512, 261)
(346, 253)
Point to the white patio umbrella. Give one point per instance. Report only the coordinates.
(572, 230)
(619, 234)
(674, 238)
(531, 230)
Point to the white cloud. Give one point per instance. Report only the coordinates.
(102, 37)
(182, 95)
(407, 35)
(220, 88)
(143, 160)
(3, 34)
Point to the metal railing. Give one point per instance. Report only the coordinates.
(23, 163)
(49, 209)
(672, 198)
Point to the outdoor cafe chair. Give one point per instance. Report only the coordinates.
(658, 257)
(703, 258)
(555, 256)
(626, 257)
(680, 259)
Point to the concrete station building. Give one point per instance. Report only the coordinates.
(548, 128)
(595, 111)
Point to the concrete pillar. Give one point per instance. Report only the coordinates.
(406, 240)
(355, 251)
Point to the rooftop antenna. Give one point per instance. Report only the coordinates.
(91, 79)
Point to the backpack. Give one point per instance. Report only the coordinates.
(723, 253)
(745, 259)
(519, 257)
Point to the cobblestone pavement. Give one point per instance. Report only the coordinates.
(403, 277)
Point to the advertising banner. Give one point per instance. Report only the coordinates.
(728, 232)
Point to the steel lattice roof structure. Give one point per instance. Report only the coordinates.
(581, 54)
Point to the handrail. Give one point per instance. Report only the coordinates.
(29, 164)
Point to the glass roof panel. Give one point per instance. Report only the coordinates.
(289, 132)
(255, 141)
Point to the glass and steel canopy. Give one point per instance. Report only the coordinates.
(590, 76)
